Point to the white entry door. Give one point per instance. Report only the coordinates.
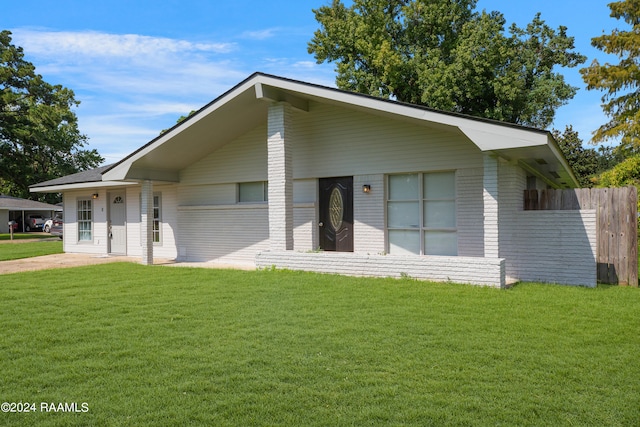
(117, 224)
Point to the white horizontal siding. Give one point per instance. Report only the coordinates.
(369, 214)
(334, 141)
(305, 190)
(134, 245)
(99, 243)
(228, 234)
(169, 223)
(305, 232)
(242, 160)
(207, 194)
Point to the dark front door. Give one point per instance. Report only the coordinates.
(336, 214)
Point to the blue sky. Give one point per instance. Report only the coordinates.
(138, 65)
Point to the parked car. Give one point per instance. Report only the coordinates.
(49, 223)
(56, 227)
(33, 222)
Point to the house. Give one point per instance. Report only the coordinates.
(18, 210)
(282, 173)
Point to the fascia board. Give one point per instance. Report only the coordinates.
(79, 186)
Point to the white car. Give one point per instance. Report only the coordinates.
(49, 223)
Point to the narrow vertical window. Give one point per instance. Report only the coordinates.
(85, 220)
(157, 218)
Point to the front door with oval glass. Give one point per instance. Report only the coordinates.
(117, 224)
(336, 214)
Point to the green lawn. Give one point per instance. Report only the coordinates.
(24, 236)
(10, 251)
(162, 346)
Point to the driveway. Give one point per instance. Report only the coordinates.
(77, 260)
(63, 261)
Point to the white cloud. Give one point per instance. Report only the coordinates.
(260, 34)
(133, 86)
(90, 44)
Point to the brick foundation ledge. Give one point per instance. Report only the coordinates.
(469, 270)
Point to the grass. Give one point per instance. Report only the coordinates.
(9, 251)
(23, 236)
(177, 346)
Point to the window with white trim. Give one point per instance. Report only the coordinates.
(157, 218)
(421, 214)
(253, 192)
(85, 220)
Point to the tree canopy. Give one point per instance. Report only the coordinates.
(585, 162)
(445, 55)
(39, 135)
(621, 100)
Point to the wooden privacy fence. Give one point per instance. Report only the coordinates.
(617, 225)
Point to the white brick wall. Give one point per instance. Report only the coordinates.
(491, 207)
(544, 246)
(552, 246)
(477, 271)
(469, 212)
(280, 174)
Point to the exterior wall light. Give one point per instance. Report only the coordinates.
(94, 196)
(366, 188)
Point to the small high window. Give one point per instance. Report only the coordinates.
(253, 192)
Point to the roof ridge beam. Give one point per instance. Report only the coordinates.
(271, 94)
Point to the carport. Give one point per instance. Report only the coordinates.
(15, 209)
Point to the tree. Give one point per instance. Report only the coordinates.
(39, 136)
(585, 162)
(443, 54)
(623, 174)
(621, 101)
(180, 120)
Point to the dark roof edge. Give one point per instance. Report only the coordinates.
(90, 175)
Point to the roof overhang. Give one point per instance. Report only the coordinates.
(245, 106)
(22, 208)
(78, 186)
